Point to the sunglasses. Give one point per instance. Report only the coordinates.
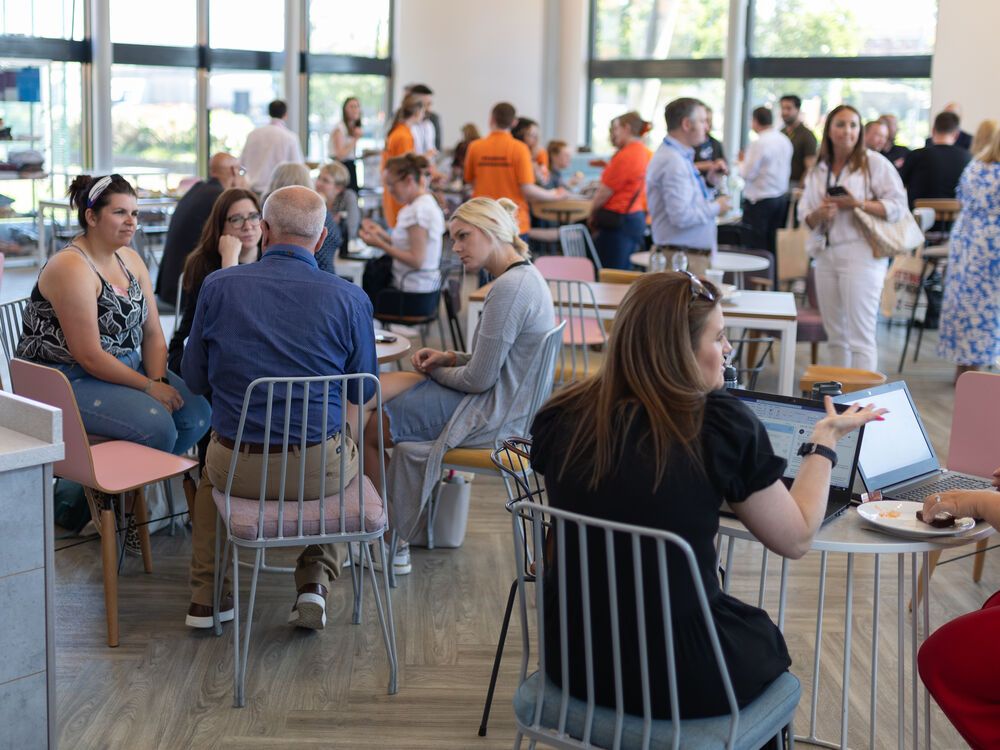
(697, 288)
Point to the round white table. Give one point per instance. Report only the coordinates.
(735, 263)
(391, 351)
(851, 535)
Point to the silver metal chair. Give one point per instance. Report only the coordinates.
(547, 713)
(11, 318)
(178, 312)
(575, 241)
(530, 396)
(356, 512)
(576, 305)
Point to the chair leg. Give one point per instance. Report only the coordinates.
(496, 660)
(384, 612)
(979, 560)
(814, 348)
(237, 680)
(142, 522)
(932, 561)
(109, 562)
(356, 578)
(241, 691)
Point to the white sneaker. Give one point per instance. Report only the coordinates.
(309, 612)
(401, 565)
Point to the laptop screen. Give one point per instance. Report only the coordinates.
(897, 449)
(789, 423)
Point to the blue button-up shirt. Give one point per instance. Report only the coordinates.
(681, 210)
(279, 317)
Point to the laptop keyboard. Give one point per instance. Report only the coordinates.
(954, 482)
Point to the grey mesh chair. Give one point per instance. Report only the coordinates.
(576, 305)
(530, 396)
(11, 318)
(547, 713)
(575, 241)
(353, 512)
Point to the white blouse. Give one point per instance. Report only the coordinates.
(331, 147)
(881, 183)
(426, 213)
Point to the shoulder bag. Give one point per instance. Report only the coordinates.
(602, 218)
(888, 238)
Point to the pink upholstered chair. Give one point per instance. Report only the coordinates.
(576, 305)
(563, 267)
(972, 447)
(114, 467)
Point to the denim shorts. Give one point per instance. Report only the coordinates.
(420, 414)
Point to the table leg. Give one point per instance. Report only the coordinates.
(901, 640)
(819, 648)
(763, 578)
(781, 594)
(913, 654)
(786, 362)
(927, 632)
(873, 722)
(40, 228)
(848, 632)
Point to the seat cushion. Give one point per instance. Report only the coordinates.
(810, 325)
(120, 465)
(246, 513)
(582, 331)
(480, 459)
(759, 721)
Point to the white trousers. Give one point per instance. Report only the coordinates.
(848, 287)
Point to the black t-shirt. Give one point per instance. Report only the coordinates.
(933, 171)
(738, 461)
(186, 223)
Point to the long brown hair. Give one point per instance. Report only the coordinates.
(650, 367)
(205, 257)
(859, 157)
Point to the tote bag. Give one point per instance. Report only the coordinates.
(791, 247)
(889, 238)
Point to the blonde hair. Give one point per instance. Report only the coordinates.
(497, 219)
(984, 136)
(287, 174)
(337, 172)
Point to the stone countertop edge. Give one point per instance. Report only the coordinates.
(30, 433)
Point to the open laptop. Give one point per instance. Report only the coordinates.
(789, 423)
(897, 457)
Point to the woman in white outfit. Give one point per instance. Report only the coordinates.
(848, 278)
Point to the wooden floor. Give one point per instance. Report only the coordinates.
(169, 687)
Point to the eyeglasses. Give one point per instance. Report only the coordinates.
(241, 170)
(238, 220)
(697, 288)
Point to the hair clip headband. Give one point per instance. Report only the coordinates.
(96, 189)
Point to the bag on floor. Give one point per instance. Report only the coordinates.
(902, 285)
(452, 515)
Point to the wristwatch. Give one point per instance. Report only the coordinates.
(808, 449)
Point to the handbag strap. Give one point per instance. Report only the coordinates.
(642, 184)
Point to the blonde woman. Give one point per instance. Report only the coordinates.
(333, 184)
(459, 398)
(293, 173)
(970, 314)
(984, 135)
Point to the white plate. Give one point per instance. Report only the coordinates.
(900, 517)
(729, 292)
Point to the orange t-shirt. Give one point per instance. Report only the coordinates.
(496, 166)
(399, 142)
(542, 158)
(626, 176)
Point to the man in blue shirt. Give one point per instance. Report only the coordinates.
(682, 210)
(279, 317)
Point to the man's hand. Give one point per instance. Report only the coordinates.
(725, 204)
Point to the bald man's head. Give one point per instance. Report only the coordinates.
(226, 169)
(294, 215)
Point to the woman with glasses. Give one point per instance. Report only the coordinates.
(93, 316)
(654, 428)
(294, 173)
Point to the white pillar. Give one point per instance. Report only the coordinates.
(201, 95)
(732, 71)
(294, 18)
(100, 82)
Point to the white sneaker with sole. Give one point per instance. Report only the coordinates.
(401, 565)
(309, 612)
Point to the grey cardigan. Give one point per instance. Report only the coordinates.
(517, 313)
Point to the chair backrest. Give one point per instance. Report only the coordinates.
(973, 447)
(533, 391)
(178, 312)
(945, 209)
(924, 217)
(575, 242)
(11, 320)
(287, 403)
(565, 267)
(616, 276)
(513, 460)
(48, 385)
(635, 562)
(575, 303)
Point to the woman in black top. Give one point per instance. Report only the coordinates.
(653, 441)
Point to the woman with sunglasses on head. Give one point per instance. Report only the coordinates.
(654, 428)
(93, 316)
(849, 280)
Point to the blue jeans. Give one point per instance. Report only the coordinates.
(123, 413)
(614, 246)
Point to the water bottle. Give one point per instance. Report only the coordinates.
(731, 378)
(657, 261)
(679, 261)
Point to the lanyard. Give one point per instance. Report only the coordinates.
(689, 160)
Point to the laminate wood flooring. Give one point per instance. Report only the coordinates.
(169, 687)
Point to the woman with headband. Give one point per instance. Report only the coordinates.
(93, 316)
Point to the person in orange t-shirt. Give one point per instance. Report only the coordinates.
(618, 213)
(499, 166)
(526, 130)
(399, 142)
